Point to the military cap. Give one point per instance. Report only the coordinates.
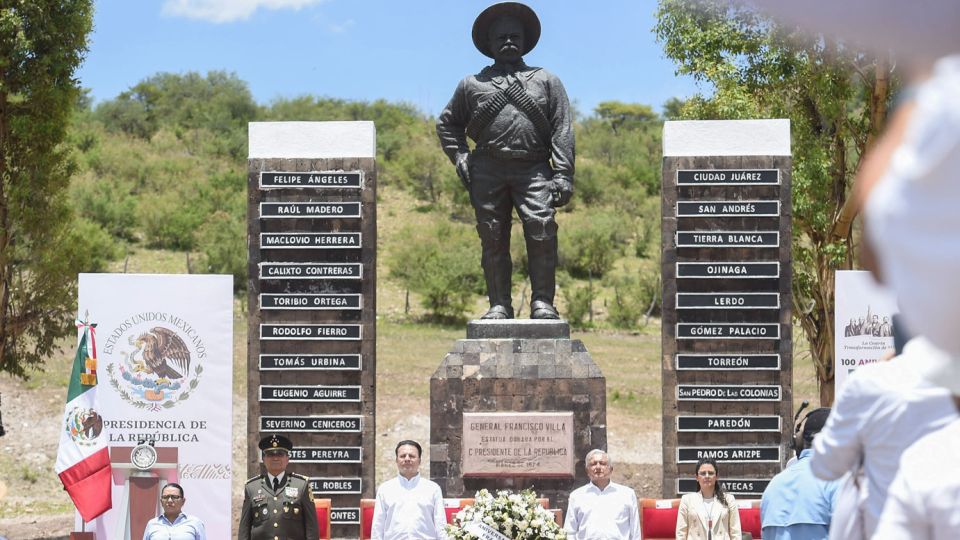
(522, 12)
(275, 442)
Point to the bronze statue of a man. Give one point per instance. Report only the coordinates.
(520, 119)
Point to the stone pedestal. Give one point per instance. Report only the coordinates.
(517, 369)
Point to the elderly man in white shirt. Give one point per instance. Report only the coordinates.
(409, 506)
(882, 409)
(602, 509)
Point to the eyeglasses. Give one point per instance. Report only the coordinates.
(707, 473)
(170, 497)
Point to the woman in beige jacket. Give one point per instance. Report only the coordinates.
(708, 514)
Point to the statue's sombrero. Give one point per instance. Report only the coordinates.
(523, 13)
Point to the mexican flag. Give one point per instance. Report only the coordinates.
(83, 460)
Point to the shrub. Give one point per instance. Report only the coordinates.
(441, 263)
(632, 296)
(223, 241)
(591, 241)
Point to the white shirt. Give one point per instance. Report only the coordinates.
(595, 514)
(409, 509)
(279, 478)
(882, 409)
(923, 500)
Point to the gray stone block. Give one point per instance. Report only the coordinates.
(438, 452)
(518, 329)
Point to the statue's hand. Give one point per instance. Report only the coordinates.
(463, 169)
(562, 190)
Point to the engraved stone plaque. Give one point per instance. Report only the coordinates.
(278, 271)
(335, 485)
(706, 392)
(728, 270)
(728, 362)
(728, 331)
(326, 454)
(302, 240)
(311, 394)
(311, 331)
(728, 177)
(316, 424)
(736, 454)
(290, 362)
(737, 486)
(727, 239)
(731, 300)
(731, 424)
(311, 210)
(345, 515)
(317, 179)
(728, 208)
(512, 444)
(311, 301)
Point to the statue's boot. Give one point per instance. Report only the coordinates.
(542, 266)
(497, 268)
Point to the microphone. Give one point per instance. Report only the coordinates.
(803, 406)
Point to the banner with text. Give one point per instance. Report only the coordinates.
(863, 323)
(166, 356)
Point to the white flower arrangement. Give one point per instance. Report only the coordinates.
(508, 515)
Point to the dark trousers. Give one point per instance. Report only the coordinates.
(498, 186)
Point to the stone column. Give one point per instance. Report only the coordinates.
(518, 404)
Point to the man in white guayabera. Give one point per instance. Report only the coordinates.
(408, 506)
(602, 508)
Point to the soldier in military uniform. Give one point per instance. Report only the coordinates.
(520, 119)
(278, 505)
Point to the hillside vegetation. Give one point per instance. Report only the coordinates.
(163, 166)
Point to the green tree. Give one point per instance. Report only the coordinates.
(210, 114)
(836, 99)
(41, 45)
(440, 262)
(618, 113)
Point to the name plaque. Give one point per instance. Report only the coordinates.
(728, 331)
(727, 362)
(311, 301)
(313, 424)
(316, 179)
(341, 486)
(737, 486)
(728, 424)
(273, 270)
(704, 392)
(728, 177)
(343, 516)
(728, 208)
(322, 332)
(309, 210)
(725, 239)
(747, 454)
(518, 444)
(727, 270)
(335, 240)
(312, 394)
(745, 300)
(294, 362)
(326, 454)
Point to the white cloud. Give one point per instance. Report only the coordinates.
(220, 11)
(340, 28)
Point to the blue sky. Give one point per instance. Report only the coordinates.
(401, 50)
